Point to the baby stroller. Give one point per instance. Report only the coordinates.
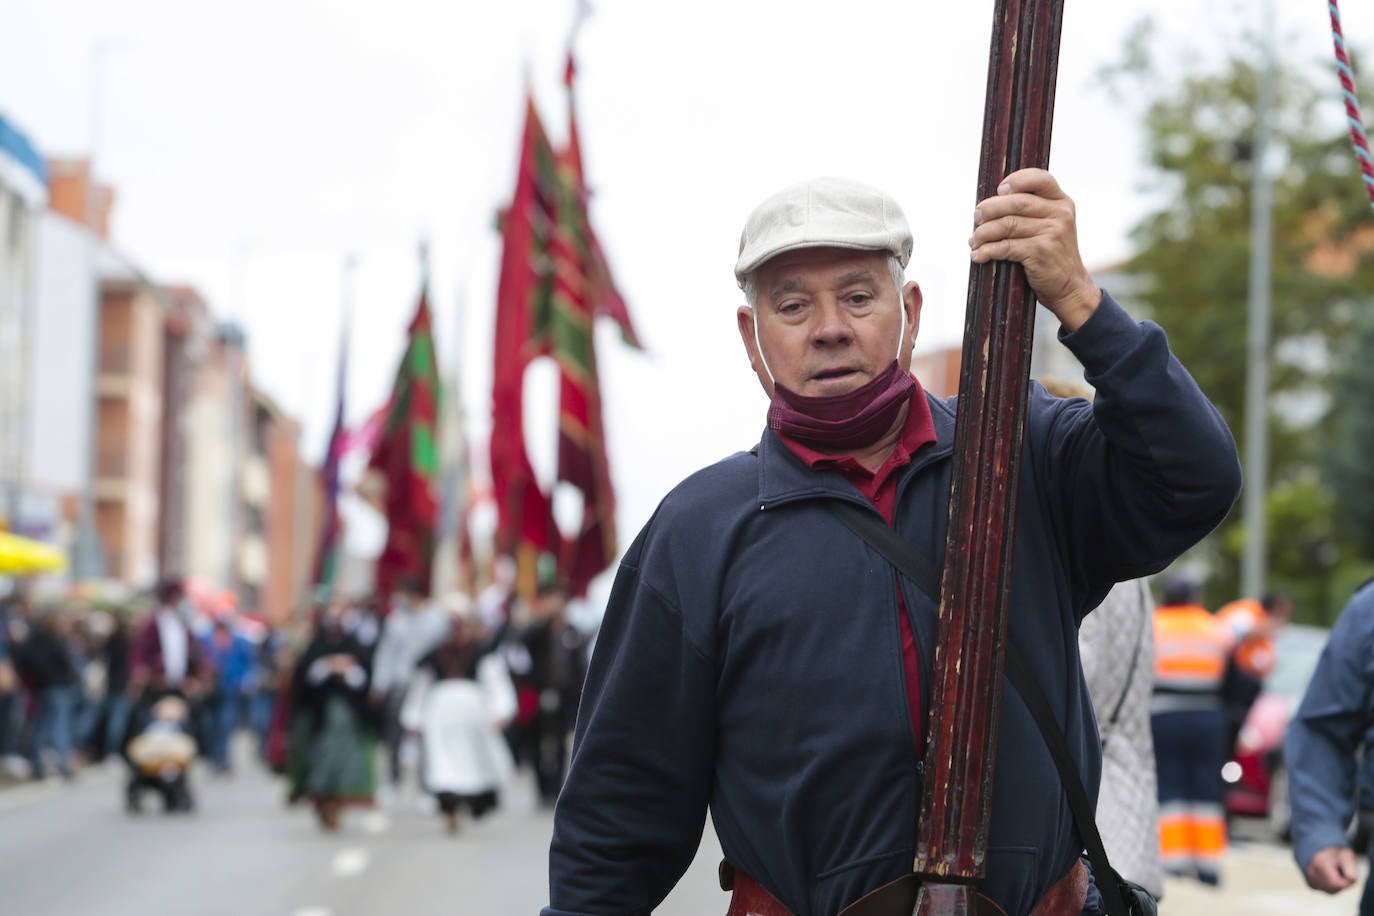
(160, 756)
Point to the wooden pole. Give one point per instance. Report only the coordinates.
(951, 845)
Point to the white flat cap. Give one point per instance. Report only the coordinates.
(823, 213)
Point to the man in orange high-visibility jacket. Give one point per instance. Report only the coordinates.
(1253, 625)
(1191, 649)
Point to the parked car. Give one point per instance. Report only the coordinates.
(1256, 781)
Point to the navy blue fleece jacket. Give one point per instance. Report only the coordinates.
(749, 659)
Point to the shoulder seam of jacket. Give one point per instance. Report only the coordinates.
(675, 610)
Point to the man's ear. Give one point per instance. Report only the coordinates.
(911, 305)
(744, 320)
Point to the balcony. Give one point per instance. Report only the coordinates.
(112, 464)
(116, 360)
(113, 386)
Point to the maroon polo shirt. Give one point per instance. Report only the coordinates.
(880, 488)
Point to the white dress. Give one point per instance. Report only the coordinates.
(464, 751)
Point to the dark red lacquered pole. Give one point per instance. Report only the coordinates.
(999, 322)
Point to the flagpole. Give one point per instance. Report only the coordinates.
(447, 573)
(582, 9)
(346, 299)
(330, 550)
(466, 571)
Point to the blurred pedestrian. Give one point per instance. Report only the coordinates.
(414, 626)
(460, 699)
(87, 630)
(160, 750)
(164, 660)
(164, 655)
(364, 621)
(558, 667)
(1189, 730)
(48, 665)
(9, 686)
(15, 722)
(115, 652)
(1253, 625)
(1116, 642)
(337, 743)
(502, 614)
(1324, 746)
(267, 659)
(230, 656)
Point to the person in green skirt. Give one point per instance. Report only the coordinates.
(333, 738)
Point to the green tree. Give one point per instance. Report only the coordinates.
(1193, 254)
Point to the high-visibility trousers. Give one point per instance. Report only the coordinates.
(1190, 749)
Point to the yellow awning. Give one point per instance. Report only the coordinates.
(22, 557)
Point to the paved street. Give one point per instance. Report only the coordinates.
(71, 850)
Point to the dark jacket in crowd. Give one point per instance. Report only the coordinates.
(115, 654)
(46, 660)
(557, 658)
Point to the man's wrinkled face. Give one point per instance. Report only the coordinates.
(827, 321)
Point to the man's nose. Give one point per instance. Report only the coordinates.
(832, 326)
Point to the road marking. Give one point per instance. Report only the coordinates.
(349, 863)
(313, 911)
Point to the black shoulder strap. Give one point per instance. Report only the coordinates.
(913, 564)
(909, 561)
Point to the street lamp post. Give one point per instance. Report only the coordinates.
(1257, 362)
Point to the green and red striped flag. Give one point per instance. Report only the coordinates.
(582, 290)
(525, 526)
(406, 458)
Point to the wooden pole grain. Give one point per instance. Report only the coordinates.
(990, 421)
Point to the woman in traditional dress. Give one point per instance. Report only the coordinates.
(337, 744)
(459, 700)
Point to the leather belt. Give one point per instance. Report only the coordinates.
(1065, 897)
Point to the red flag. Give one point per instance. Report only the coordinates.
(406, 458)
(582, 289)
(605, 299)
(524, 514)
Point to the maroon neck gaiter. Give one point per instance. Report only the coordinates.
(842, 421)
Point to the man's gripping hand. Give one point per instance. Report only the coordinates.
(1332, 869)
(1031, 221)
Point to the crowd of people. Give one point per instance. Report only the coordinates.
(474, 689)
(77, 682)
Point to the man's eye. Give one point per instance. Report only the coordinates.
(790, 308)
(860, 298)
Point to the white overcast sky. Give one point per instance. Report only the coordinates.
(254, 144)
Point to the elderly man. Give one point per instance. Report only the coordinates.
(757, 657)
